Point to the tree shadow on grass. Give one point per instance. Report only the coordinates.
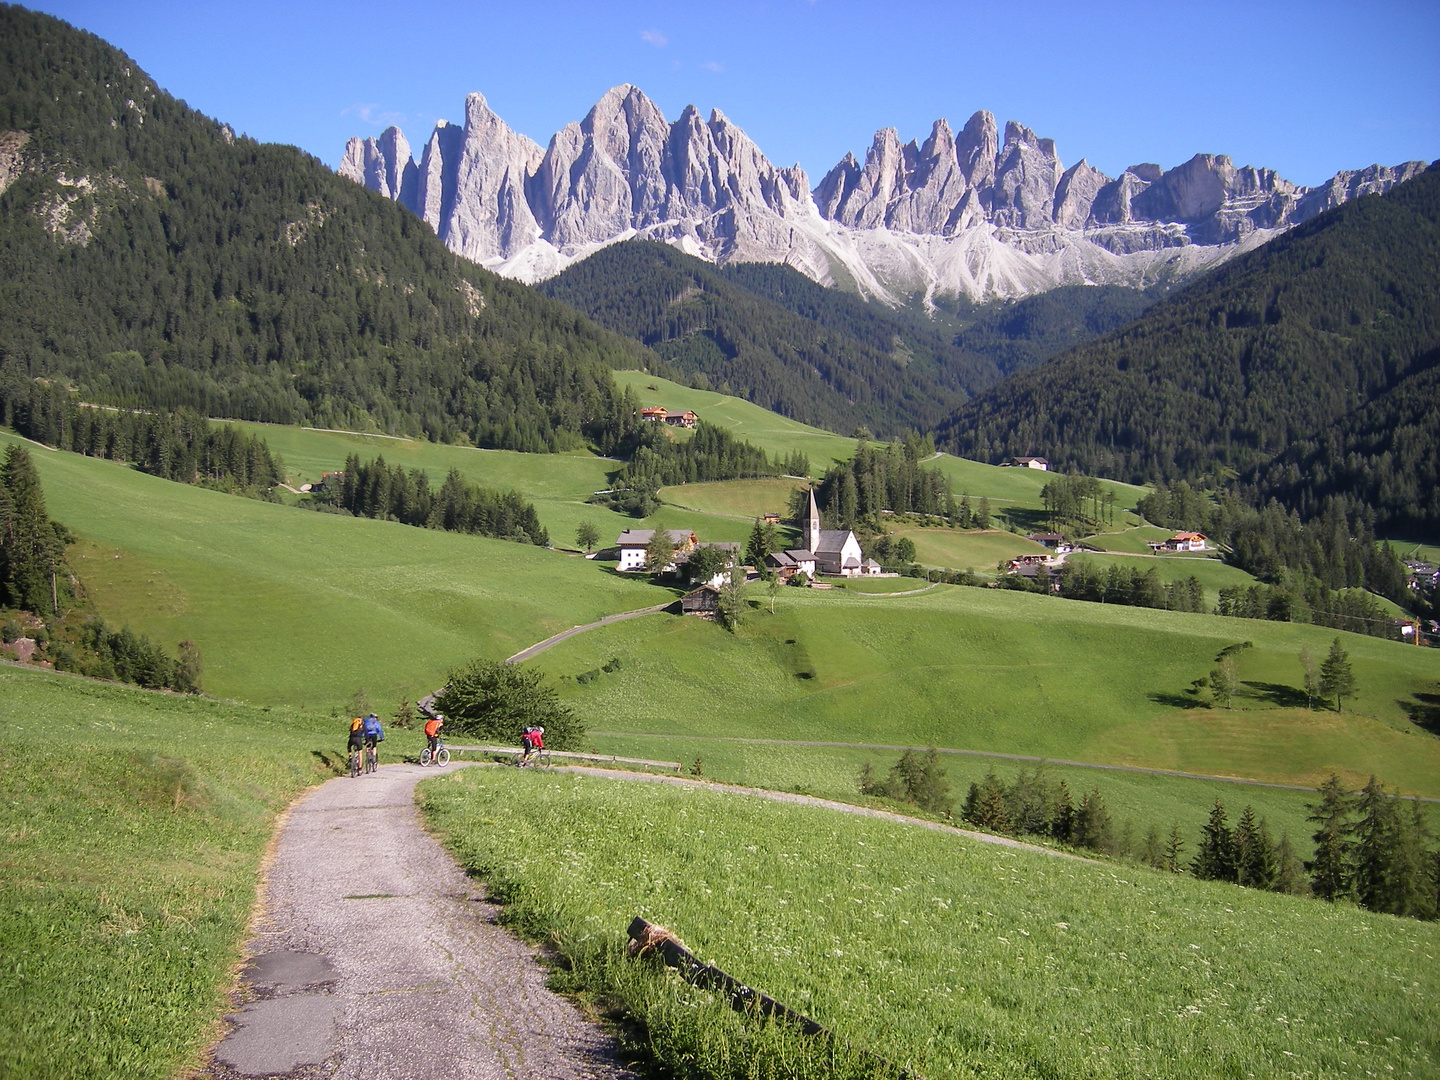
(1278, 694)
(1424, 712)
(1178, 701)
(334, 762)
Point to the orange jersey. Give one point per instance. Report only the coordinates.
(432, 728)
(356, 724)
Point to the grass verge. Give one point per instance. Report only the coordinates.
(946, 956)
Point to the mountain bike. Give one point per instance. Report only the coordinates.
(355, 763)
(372, 759)
(440, 758)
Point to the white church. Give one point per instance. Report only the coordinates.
(836, 551)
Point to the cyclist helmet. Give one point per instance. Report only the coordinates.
(541, 730)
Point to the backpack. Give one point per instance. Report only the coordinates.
(372, 727)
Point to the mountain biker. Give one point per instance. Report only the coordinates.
(533, 739)
(432, 732)
(374, 734)
(357, 736)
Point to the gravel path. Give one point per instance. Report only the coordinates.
(376, 958)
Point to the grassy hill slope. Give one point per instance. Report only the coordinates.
(156, 260)
(292, 606)
(945, 956)
(133, 824)
(1013, 673)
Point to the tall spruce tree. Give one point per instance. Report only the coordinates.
(1215, 858)
(1331, 870)
(1336, 677)
(1255, 861)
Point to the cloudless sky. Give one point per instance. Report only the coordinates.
(1304, 88)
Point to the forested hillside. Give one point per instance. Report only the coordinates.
(844, 368)
(149, 257)
(1316, 350)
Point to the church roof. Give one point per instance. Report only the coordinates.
(833, 540)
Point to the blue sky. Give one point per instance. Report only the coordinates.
(1307, 89)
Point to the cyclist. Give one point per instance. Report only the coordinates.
(374, 734)
(432, 732)
(533, 739)
(357, 738)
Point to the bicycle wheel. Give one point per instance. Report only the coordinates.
(354, 763)
(442, 757)
(425, 757)
(370, 760)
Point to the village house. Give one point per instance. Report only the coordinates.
(837, 551)
(732, 556)
(633, 542)
(704, 602)
(1053, 541)
(658, 414)
(1028, 463)
(871, 568)
(1186, 541)
(790, 562)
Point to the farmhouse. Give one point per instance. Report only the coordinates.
(1186, 541)
(704, 601)
(632, 544)
(686, 419)
(732, 555)
(655, 414)
(1029, 463)
(1054, 541)
(837, 551)
(790, 562)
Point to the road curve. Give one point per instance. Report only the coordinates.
(376, 958)
(555, 639)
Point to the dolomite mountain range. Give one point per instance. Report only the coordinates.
(967, 213)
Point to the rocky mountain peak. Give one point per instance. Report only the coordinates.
(962, 211)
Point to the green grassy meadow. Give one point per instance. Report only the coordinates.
(967, 549)
(943, 955)
(976, 669)
(133, 825)
(760, 427)
(293, 607)
(1213, 574)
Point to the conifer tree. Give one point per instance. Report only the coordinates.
(1093, 826)
(1152, 850)
(1289, 870)
(1331, 870)
(1062, 819)
(985, 804)
(1174, 848)
(1336, 677)
(755, 547)
(1255, 860)
(1215, 858)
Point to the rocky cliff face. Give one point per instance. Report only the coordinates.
(966, 213)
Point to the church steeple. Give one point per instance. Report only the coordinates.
(812, 525)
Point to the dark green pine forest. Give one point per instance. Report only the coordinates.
(1304, 370)
(703, 324)
(150, 258)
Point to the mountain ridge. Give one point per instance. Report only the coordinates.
(972, 214)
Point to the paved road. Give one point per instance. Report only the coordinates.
(376, 958)
(526, 654)
(974, 753)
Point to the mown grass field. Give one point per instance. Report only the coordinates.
(558, 484)
(967, 549)
(777, 435)
(290, 606)
(1213, 574)
(979, 669)
(943, 955)
(133, 825)
(1137, 540)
